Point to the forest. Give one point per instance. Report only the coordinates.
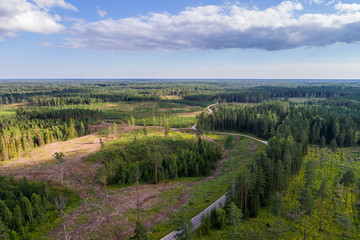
(153, 159)
(25, 206)
(147, 155)
(36, 127)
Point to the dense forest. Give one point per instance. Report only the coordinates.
(315, 123)
(25, 206)
(152, 159)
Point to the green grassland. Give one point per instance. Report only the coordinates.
(337, 223)
(154, 113)
(7, 111)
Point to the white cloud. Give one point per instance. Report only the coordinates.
(21, 15)
(316, 1)
(342, 7)
(45, 44)
(331, 2)
(219, 27)
(101, 13)
(55, 3)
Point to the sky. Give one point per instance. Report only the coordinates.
(254, 39)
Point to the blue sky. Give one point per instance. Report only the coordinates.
(179, 39)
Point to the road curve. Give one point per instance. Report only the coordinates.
(241, 135)
(210, 112)
(221, 201)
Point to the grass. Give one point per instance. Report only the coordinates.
(7, 111)
(140, 110)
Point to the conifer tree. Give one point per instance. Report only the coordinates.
(277, 209)
(82, 129)
(307, 203)
(333, 146)
(184, 228)
(235, 215)
(310, 174)
(72, 131)
(323, 193)
(60, 203)
(28, 209)
(346, 180)
(140, 232)
(18, 217)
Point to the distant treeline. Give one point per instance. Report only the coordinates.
(60, 93)
(170, 157)
(258, 94)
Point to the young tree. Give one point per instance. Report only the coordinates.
(37, 206)
(205, 226)
(307, 203)
(72, 131)
(18, 217)
(140, 232)
(347, 180)
(322, 158)
(333, 146)
(82, 129)
(106, 199)
(184, 228)
(115, 130)
(137, 173)
(310, 174)
(235, 215)
(144, 127)
(166, 127)
(220, 218)
(59, 156)
(28, 209)
(157, 160)
(60, 202)
(133, 124)
(323, 193)
(277, 209)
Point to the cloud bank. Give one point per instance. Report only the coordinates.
(219, 27)
(24, 16)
